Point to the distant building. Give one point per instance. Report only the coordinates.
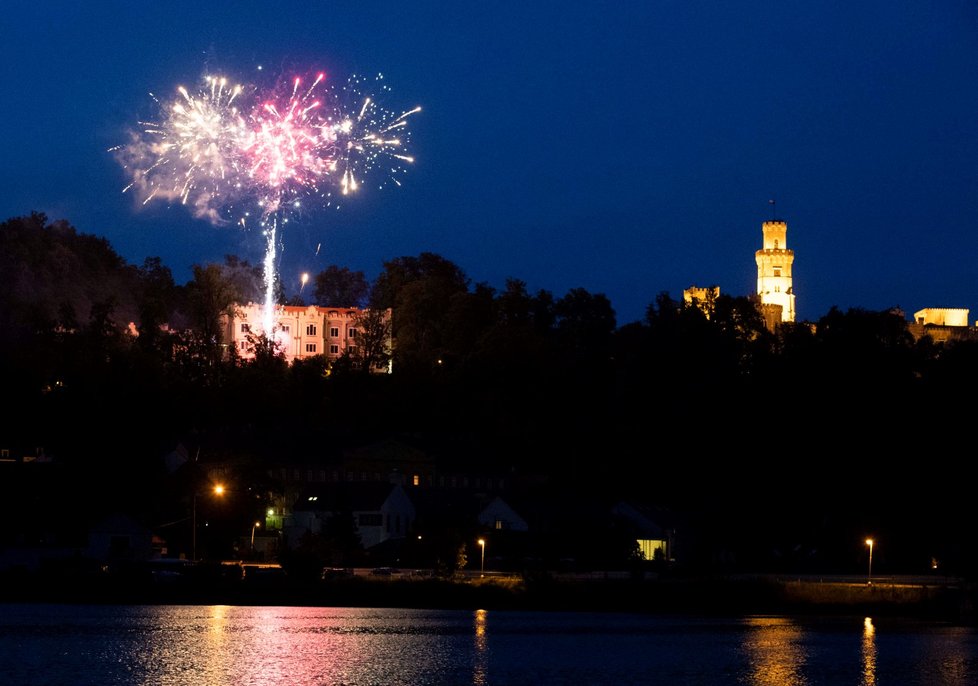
(378, 511)
(307, 331)
(942, 324)
(774, 262)
(703, 298)
(941, 316)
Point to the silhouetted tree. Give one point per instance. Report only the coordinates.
(341, 287)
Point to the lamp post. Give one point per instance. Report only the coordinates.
(255, 526)
(218, 490)
(482, 566)
(869, 577)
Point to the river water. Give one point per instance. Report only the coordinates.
(220, 645)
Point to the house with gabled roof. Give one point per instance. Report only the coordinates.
(380, 511)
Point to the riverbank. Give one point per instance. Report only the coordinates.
(707, 595)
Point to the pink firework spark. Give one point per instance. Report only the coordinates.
(290, 145)
(226, 147)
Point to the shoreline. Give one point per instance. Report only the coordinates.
(714, 595)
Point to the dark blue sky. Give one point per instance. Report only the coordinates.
(627, 148)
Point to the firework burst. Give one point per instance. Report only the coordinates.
(227, 149)
(191, 155)
(227, 146)
(371, 139)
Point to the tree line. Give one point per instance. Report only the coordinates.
(784, 441)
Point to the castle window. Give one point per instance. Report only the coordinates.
(284, 328)
(334, 332)
(334, 350)
(311, 330)
(777, 271)
(245, 328)
(416, 480)
(310, 347)
(351, 332)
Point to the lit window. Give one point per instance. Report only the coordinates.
(416, 480)
(499, 524)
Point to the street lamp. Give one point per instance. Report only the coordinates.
(869, 577)
(218, 490)
(482, 568)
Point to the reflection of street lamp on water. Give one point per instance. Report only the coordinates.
(869, 577)
(218, 490)
(482, 567)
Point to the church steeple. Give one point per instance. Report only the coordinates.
(774, 262)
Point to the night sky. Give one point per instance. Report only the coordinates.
(626, 148)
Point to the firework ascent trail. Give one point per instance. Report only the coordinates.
(231, 152)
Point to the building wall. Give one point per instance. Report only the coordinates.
(704, 297)
(942, 316)
(774, 262)
(303, 331)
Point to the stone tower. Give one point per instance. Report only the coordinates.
(774, 271)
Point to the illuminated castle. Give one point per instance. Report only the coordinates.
(303, 332)
(774, 289)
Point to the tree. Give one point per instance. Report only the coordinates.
(585, 322)
(373, 340)
(210, 297)
(420, 291)
(248, 280)
(341, 287)
(156, 301)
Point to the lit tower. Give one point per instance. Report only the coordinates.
(774, 270)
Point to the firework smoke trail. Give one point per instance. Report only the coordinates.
(191, 154)
(225, 147)
(290, 150)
